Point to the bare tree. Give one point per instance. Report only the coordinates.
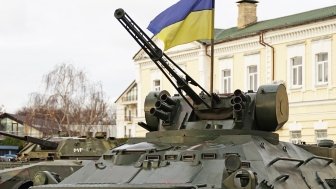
(70, 99)
(92, 108)
(2, 109)
(63, 86)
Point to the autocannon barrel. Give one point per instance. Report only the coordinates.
(237, 92)
(159, 114)
(42, 142)
(163, 106)
(165, 98)
(237, 107)
(236, 100)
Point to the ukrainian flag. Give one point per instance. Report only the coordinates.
(184, 22)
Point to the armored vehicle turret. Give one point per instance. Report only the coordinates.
(206, 140)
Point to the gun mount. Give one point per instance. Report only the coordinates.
(244, 111)
(205, 106)
(206, 141)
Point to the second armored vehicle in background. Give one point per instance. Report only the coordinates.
(56, 157)
(62, 148)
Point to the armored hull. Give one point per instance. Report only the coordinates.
(22, 177)
(211, 158)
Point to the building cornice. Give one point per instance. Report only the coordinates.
(312, 30)
(178, 57)
(288, 35)
(232, 47)
(312, 103)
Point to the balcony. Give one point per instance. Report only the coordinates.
(129, 100)
(128, 119)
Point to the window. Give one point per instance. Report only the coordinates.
(125, 114)
(252, 78)
(225, 72)
(129, 115)
(296, 71)
(251, 71)
(320, 134)
(155, 79)
(156, 85)
(295, 136)
(226, 81)
(15, 128)
(321, 68)
(321, 63)
(296, 58)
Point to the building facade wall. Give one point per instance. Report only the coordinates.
(125, 123)
(311, 104)
(127, 113)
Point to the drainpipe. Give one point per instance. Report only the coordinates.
(263, 43)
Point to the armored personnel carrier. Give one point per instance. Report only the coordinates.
(58, 156)
(206, 140)
(61, 148)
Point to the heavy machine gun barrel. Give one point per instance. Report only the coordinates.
(162, 61)
(42, 142)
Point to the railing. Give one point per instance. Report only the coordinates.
(128, 118)
(129, 98)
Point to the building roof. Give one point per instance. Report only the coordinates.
(17, 118)
(42, 125)
(223, 35)
(126, 90)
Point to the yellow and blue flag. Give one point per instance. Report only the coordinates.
(184, 22)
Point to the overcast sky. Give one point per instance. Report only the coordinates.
(36, 35)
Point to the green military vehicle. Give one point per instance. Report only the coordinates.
(58, 156)
(61, 148)
(207, 141)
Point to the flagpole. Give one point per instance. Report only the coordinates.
(212, 47)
